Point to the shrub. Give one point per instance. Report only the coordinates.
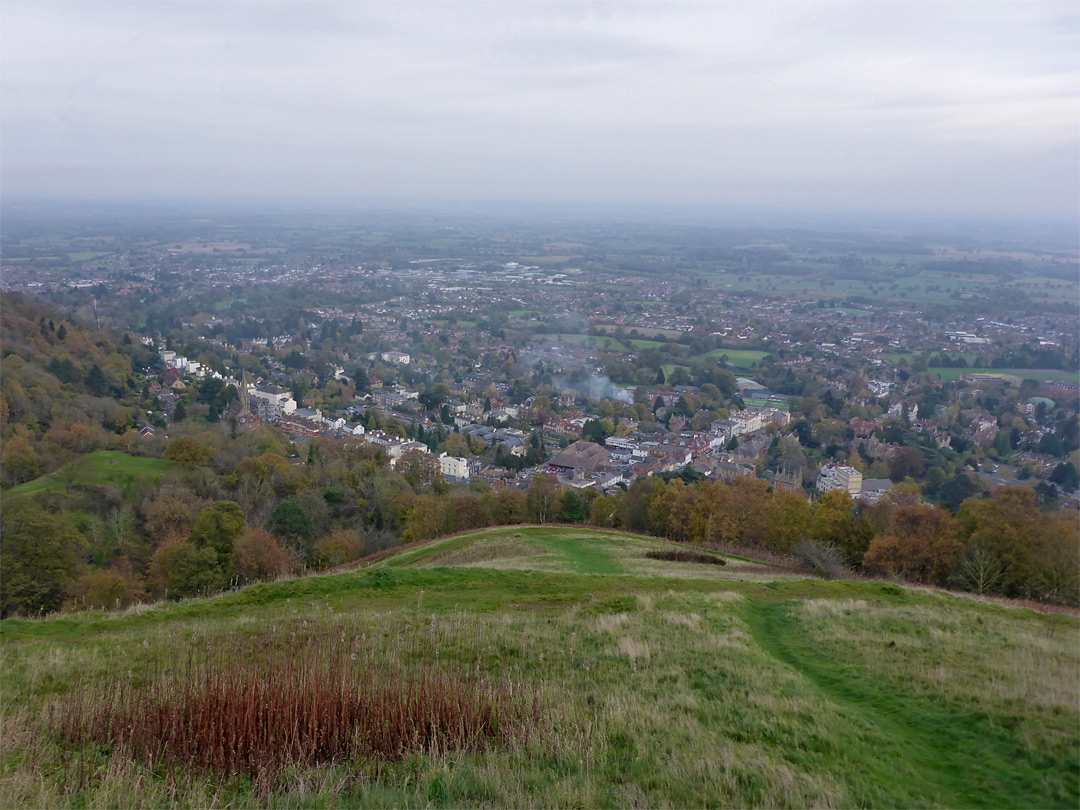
(821, 560)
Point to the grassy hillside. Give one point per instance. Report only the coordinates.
(102, 467)
(657, 684)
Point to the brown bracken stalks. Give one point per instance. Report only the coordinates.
(322, 701)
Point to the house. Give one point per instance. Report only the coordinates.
(454, 468)
(146, 432)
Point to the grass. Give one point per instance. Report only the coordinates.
(607, 344)
(658, 683)
(740, 358)
(100, 468)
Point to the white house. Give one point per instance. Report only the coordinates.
(454, 468)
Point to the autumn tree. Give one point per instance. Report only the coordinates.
(186, 451)
(922, 545)
(341, 546)
(258, 556)
(835, 524)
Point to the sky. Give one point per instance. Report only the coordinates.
(938, 108)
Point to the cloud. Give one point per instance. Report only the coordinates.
(805, 104)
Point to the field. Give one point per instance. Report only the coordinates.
(644, 331)
(103, 467)
(740, 358)
(607, 344)
(652, 683)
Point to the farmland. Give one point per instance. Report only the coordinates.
(658, 683)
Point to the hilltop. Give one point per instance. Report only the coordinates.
(658, 683)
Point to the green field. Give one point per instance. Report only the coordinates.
(103, 467)
(740, 358)
(221, 306)
(602, 342)
(662, 684)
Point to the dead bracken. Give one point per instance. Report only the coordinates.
(678, 555)
(324, 701)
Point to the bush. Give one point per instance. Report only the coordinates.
(821, 560)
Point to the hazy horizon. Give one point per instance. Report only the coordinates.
(817, 109)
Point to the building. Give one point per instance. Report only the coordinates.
(454, 468)
(271, 402)
(835, 477)
(874, 488)
(397, 358)
(579, 458)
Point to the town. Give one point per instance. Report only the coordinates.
(951, 369)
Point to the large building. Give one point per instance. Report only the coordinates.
(271, 401)
(835, 477)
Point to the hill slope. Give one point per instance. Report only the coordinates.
(670, 684)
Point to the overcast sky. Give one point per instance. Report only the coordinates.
(968, 108)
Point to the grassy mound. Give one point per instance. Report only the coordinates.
(655, 683)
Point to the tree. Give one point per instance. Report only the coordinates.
(95, 381)
(573, 507)
(597, 430)
(922, 544)
(906, 462)
(292, 523)
(216, 528)
(341, 546)
(418, 467)
(186, 451)
(106, 589)
(1066, 476)
(660, 379)
(544, 498)
(178, 569)
(38, 558)
(981, 569)
(1038, 552)
(258, 556)
(834, 524)
(180, 412)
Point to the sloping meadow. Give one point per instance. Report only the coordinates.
(471, 687)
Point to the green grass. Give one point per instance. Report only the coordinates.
(221, 306)
(672, 684)
(111, 467)
(740, 358)
(607, 344)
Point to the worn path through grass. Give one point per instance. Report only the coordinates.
(958, 757)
